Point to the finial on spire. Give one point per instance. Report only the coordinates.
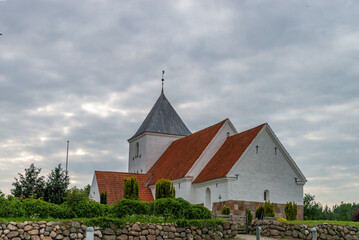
(163, 79)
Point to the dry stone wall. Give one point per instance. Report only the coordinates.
(131, 231)
(302, 231)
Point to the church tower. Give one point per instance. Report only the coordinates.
(160, 128)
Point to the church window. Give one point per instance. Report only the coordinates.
(216, 184)
(275, 150)
(137, 149)
(179, 185)
(257, 149)
(237, 175)
(266, 195)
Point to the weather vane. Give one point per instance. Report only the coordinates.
(163, 73)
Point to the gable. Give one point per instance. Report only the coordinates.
(228, 155)
(112, 183)
(180, 156)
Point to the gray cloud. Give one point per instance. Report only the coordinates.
(89, 72)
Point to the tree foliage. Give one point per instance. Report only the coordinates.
(165, 189)
(291, 210)
(249, 216)
(103, 198)
(131, 188)
(226, 210)
(268, 209)
(260, 213)
(56, 185)
(29, 185)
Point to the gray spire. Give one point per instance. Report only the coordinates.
(163, 118)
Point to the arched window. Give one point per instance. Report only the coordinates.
(208, 202)
(137, 149)
(266, 195)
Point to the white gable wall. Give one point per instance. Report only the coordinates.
(151, 147)
(264, 171)
(212, 148)
(94, 192)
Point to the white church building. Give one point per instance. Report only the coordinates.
(215, 166)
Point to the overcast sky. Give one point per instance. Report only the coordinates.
(89, 72)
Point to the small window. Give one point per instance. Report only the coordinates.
(257, 147)
(179, 185)
(266, 195)
(137, 149)
(275, 150)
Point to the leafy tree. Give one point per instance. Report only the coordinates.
(56, 185)
(2, 194)
(103, 198)
(131, 188)
(165, 189)
(226, 210)
(75, 195)
(86, 189)
(30, 185)
(355, 217)
(249, 216)
(260, 213)
(312, 209)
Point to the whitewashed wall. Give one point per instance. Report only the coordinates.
(218, 191)
(94, 192)
(151, 147)
(264, 171)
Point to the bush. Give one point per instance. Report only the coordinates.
(103, 198)
(355, 217)
(249, 216)
(199, 212)
(131, 188)
(225, 210)
(268, 209)
(165, 189)
(260, 213)
(36, 208)
(291, 210)
(127, 207)
(10, 207)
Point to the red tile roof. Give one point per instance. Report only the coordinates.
(228, 154)
(112, 183)
(180, 156)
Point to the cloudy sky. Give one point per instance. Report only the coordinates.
(89, 72)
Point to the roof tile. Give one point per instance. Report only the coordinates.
(112, 183)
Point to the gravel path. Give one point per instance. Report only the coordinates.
(252, 237)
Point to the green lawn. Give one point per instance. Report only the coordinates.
(315, 222)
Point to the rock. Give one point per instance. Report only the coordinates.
(136, 227)
(159, 227)
(34, 232)
(53, 234)
(144, 233)
(26, 236)
(295, 234)
(109, 237)
(166, 228)
(274, 232)
(157, 238)
(12, 234)
(6, 231)
(46, 238)
(80, 235)
(11, 227)
(143, 238)
(75, 225)
(226, 225)
(73, 235)
(58, 237)
(171, 235)
(35, 237)
(133, 233)
(98, 233)
(122, 237)
(28, 228)
(108, 231)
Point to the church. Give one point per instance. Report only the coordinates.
(215, 166)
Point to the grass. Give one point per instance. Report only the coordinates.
(315, 222)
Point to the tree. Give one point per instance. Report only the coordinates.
(56, 185)
(103, 198)
(131, 188)
(30, 185)
(86, 189)
(312, 209)
(2, 194)
(165, 189)
(268, 209)
(291, 210)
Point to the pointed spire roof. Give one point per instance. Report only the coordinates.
(163, 118)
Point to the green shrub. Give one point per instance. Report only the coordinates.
(355, 217)
(249, 216)
(198, 212)
(127, 207)
(291, 210)
(103, 198)
(131, 188)
(36, 208)
(165, 189)
(86, 208)
(11, 207)
(268, 209)
(225, 210)
(260, 213)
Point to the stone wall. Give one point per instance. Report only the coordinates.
(238, 207)
(302, 231)
(131, 231)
